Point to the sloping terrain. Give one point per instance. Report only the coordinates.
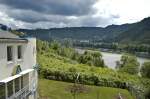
(137, 32)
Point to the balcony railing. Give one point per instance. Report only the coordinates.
(21, 94)
(19, 86)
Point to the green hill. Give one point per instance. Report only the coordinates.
(137, 32)
(140, 33)
(79, 33)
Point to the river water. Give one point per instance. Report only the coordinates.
(111, 58)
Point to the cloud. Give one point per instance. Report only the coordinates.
(56, 7)
(71, 13)
(124, 11)
(49, 13)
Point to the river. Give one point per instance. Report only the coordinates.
(111, 58)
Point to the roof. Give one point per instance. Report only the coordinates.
(6, 34)
(8, 37)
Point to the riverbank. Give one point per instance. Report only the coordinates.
(138, 54)
(110, 58)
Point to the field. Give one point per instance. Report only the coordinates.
(50, 89)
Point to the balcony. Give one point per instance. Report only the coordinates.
(20, 86)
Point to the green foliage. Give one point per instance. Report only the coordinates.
(128, 64)
(55, 45)
(145, 70)
(67, 43)
(42, 46)
(92, 58)
(147, 93)
(58, 67)
(68, 52)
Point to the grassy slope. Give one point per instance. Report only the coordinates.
(54, 62)
(51, 61)
(49, 89)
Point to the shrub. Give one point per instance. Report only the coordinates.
(145, 70)
(128, 64)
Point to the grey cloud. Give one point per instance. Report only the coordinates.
(116, 16)
(58, 7)
(90, 21)
(51, 13)
(34, 17)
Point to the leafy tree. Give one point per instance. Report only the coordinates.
(92, 58)
(145, 70)
(42, 46)
(129, 64)
(55, 45)
(67, 43)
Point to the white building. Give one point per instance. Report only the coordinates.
(18, 76)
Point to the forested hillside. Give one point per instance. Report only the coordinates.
(79, 33)
(137, 33)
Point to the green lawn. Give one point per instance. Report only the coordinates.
(49, 89)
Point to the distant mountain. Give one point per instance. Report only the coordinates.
(140, 32)
(126, 33)
(80, 33)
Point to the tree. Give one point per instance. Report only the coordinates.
(128, 64)
(42, 46)
(67, 43)
(145, 69)
(92, 58)
(55, 45)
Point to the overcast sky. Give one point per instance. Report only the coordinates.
(71, 13)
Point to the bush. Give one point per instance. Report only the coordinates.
(92, 58)
(145, 70)
(128, 64)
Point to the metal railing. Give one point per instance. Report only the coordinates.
(21, 94)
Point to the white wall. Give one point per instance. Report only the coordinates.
(28, 60)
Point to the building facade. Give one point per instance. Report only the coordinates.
(18, 74)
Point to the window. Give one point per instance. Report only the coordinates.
(19, 52)
(2, 91)
(9, 53)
